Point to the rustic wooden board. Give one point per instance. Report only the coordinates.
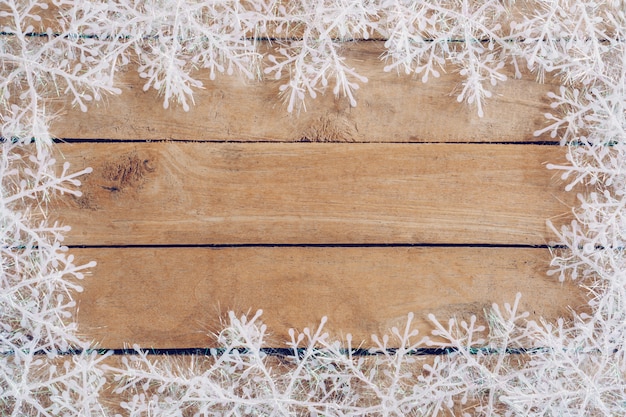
(223, 193)
(174, 297)
(233, 109)
(176, 195)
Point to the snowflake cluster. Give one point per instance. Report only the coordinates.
(318, 376)
(37, 279)
(298, 43)
(515, 366)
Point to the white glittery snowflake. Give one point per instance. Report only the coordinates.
(575, 366)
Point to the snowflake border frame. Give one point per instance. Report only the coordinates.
(578, 368)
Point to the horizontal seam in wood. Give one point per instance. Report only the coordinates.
(286, 352)
(321, 245)
(207, 141)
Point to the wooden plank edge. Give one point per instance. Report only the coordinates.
(179, 298)
(405, 109)
(229, 194)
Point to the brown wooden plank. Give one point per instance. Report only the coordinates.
(390, 108)
(175, 297)
(263, 193)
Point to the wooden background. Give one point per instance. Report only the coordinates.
(408, 202)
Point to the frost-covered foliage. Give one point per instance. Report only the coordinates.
(315, 58)
(575, 366)
(318, 376)
(36, 271)
(37, 279)
(423, 37)
(515, 367)
(172, 40)
(59, 61)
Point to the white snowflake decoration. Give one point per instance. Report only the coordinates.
(576, 366)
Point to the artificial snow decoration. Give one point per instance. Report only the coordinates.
(576, 366)
(37, 278)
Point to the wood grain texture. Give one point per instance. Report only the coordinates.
(300, 193)
(174, 297)
(234, 109)
(222, 193)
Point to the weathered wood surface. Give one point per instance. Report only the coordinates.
(172, 193)
(206, 193)
(174, 297)
(234, 109)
